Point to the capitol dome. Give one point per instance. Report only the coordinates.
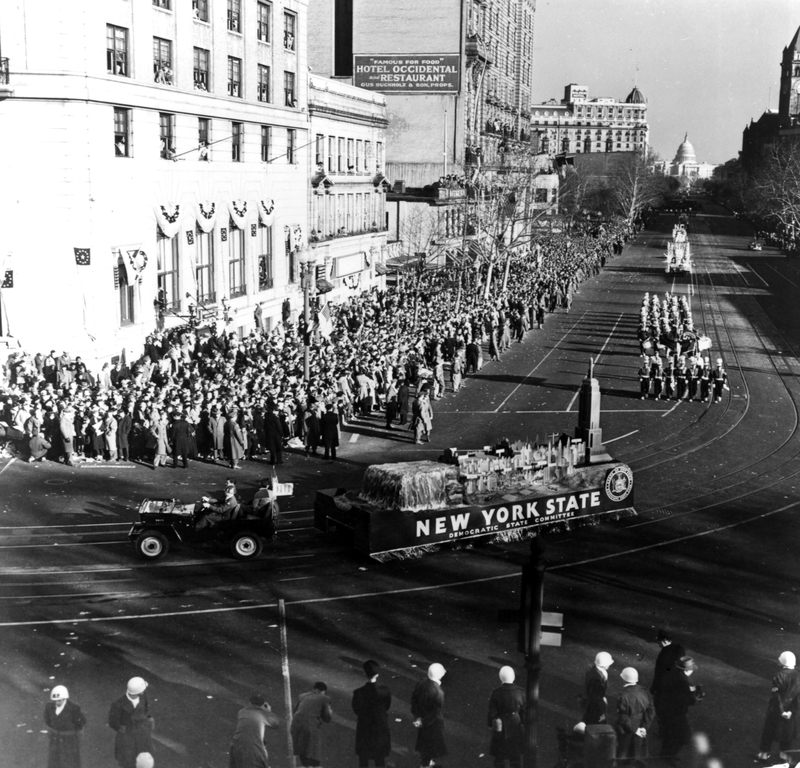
(685, 152)
(636, 97)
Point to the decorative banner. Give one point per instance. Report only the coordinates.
(190, 237)
(138, 261)
(206, 215)
(297, 237)
(223, 234)
(253, 230)
(116, 278)
(238, 212)
(8, 280)
(82, 256)
(266, 211)
(168, 217)
(403, 73)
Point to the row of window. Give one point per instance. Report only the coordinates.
(201, 12)
(207, 147)
(117, 63)
(339, 215)
(340, 155)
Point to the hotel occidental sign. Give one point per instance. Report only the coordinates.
(408, 73)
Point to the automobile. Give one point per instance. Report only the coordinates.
(164, 522)
(754, 245)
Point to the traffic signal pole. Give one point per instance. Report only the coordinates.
(531, 625)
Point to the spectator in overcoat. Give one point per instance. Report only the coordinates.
(371, 704)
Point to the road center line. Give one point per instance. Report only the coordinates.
(782, 276)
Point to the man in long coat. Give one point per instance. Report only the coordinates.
(65, 722)
(667, 657)
(329, 431)
(371, 704)
(780, 723)
(234, 440)
(216, 433)
(248, 747)
(124, 427)
(273, 435)
(427, 702)
(130, 717)
(311, 712)
(181, 439)
(505, 718)
(635, 713)
(676, 696)
(596, 683)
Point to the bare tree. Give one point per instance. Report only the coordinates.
(774, 189)
(633, 185)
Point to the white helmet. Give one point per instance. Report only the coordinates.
(507, 675)
(629, 675)
(786, 659)
(436, 672)
(136, 685)
(59, 693)
(603, 660)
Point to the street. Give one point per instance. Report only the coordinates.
(710, 554)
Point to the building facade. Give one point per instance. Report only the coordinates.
(789, 102)
(168, 154)
(347, 211)
(578, 124)
(685, 165)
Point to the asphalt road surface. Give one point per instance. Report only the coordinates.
(711, 553)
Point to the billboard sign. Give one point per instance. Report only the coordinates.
(408, 73)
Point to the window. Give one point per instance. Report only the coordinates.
(162, 61)
(320, 150)
(350, 159)
(340, 156)
(204, 269)
(165, 4)
(540, 195)
(166, 124)
(331, 154)
(266, 142)
(122, 132)
(235, 15)
(236, 281)
(236, 142)
(234, 77)
(204, 137)
(379, 156)
(289, 30)
(202, 81)
(264, 76)
(263, 15)
(348, 222)
(266, 277)
(168, 293)
(291, 145)
(117, 51)
(126, 296)
(367, 155)
(288, 89)
(200, 10)
(359, 155)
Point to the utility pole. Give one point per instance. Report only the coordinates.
(532, 598)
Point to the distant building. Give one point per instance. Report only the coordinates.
(578, 124)
(685, 165)
(789, 103)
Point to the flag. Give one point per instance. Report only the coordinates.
(324, 321)
(8, 280)
(82, 257)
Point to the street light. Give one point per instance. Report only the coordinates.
(306, 257)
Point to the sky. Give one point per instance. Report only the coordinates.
(706, 67)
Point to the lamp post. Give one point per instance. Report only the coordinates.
(306, 258)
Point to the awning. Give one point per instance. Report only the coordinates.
(381, 268)
(324, 286)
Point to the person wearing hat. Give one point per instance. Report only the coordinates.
(705, 379)
(313, 708)
(719, 380)
(595, 684)
(371, 703)
(234, 439)
(130, 717)
(65, 723)
(248, 746)
(427, 702)
(505, 718)
(780, 723)
(667, 657)
(635, 713)
(676, 695)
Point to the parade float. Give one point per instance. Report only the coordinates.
(509, 491)
(679, 251)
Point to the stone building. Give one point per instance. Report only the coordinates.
(685, 165)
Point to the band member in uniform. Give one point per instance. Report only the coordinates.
(657, 376)
(682, 374)
(669, 380)
(705, 380)
(720, 380)
(644, 380)
(695, 370)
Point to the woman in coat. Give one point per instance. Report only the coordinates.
(129, 716)
(216, 434)
(124, 427)
(65, 722)
(312, 711)
(234, 440)
(66, 428)
(109, 430)
(161, 435)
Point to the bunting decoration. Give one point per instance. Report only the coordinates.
(206, 215)
(238, 212)
(168, 218)
(223, 234)
(266, 211)
(137, 258)
(116, 278)
(297, 237)
(82, 256)
(8, 279)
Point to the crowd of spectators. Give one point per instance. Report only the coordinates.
(214, 395)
